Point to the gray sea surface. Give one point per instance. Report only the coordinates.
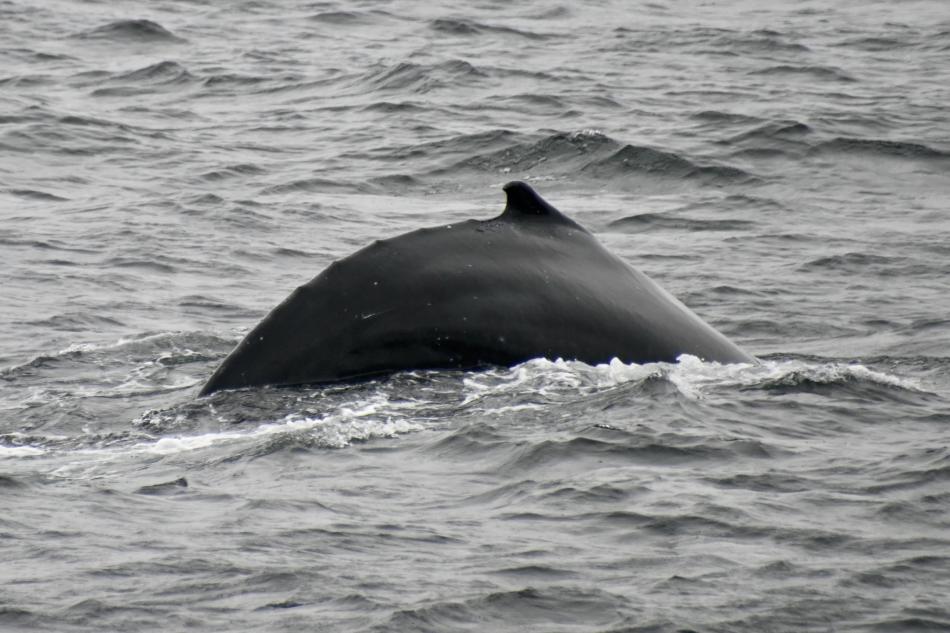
(171, 170)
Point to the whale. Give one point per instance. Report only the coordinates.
(530, 283)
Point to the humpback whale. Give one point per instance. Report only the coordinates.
(530, 283)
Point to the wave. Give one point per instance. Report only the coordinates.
(881, 147)
(773, 482)
(719, 117)
(395, 183)
(420, 78)
(564, 381)
(392, 107)
(342, 18)
(782, 130)
(231, 80)
(533, 103)
(27, 81)
(926, 468)
(837, 380)
(164, 71)
(632, 159)
(824, 73)
(237, 170)
(140, 365)
(310, 185)
(537, 401)
(870, 266)
(155, 434)
(765, 44)
(34, 194)
(875, 44)
(753, 202)
(546, 455)
(450, 151)
(7, 482)
(54, 245)
(77, 321)
(19, 451)
(596, 155)
(759, 41)
(337, 430)
(78, 135)
(925, 623)
(415, 78)
(546, 383)
(163, 75)
(560, 150)
(456, 26)
(131, 31)
(661, 221)
(849, 263)
(465, 27)
(554, 606)
(795, 138)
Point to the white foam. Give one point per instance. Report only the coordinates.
(554, 378)
(117, 344)
(20, 451)
(558, 380)
(863, 373)
(590, 132)
(691, 376)
(370, 419)
(367, 421)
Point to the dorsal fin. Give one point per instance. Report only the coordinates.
(525, 203)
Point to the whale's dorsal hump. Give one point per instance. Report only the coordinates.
(525, 203)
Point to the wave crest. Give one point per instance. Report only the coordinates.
(595, 154)
(131, 31)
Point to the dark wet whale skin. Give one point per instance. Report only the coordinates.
(530, 283)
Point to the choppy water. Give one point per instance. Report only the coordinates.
(170, 170)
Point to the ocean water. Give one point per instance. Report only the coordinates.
(171, 170)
